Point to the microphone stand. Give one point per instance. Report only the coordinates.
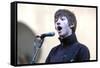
(37, 49)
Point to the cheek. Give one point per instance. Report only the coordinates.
(64, 30)
(64, 26)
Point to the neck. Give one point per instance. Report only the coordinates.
(68, 40)
(67, 35)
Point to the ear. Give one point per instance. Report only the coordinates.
(71, 25)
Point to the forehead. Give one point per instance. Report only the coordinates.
(61, 17)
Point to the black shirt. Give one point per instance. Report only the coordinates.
(69, 50)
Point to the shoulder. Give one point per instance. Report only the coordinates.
(83, 47)
(79, 46)
(55, 48)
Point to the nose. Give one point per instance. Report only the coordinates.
(59, 28)
(58, 23)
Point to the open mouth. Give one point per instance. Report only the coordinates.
(59, 28)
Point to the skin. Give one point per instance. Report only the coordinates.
(62, 27)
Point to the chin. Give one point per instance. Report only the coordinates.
(61, 35)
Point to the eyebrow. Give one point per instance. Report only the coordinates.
(60, 17)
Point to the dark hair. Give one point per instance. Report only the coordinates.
(70, 16)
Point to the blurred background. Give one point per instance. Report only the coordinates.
(38, 19)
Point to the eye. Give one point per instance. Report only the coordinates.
(62, 19)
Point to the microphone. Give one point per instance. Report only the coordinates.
(50, 34)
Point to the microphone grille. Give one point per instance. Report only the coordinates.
(52, 33)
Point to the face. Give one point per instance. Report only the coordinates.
(62, 27)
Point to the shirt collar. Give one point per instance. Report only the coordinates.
(68, 40)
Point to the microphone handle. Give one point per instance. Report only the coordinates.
(37, 49)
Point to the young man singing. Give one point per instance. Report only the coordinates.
(69, 49)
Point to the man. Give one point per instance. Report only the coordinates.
(69, 50)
